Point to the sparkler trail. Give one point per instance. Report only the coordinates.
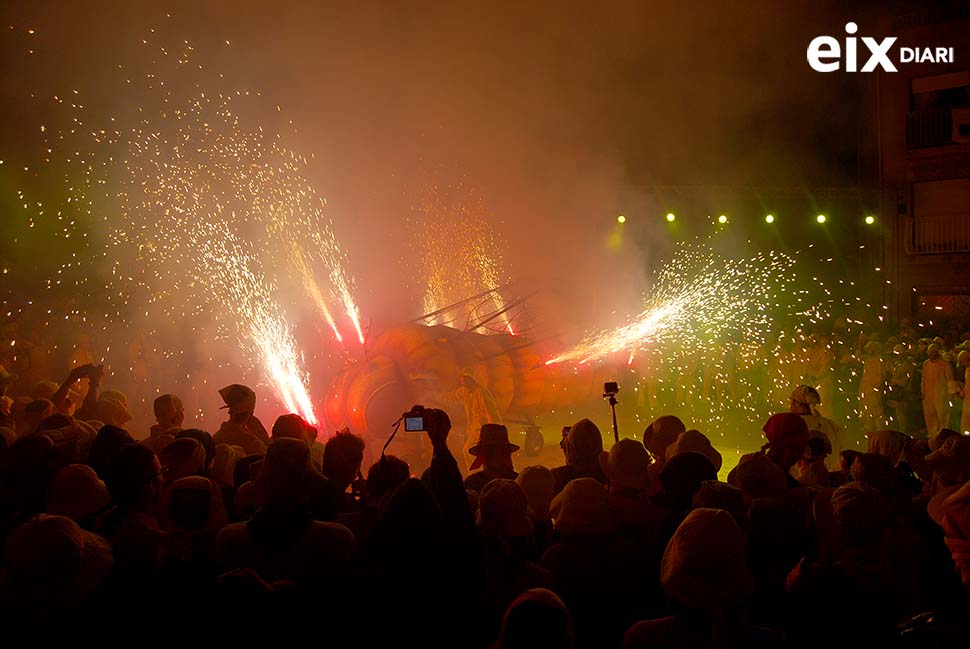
(310, 284)
(462, 256)
(233, 272)
(698, 297)
(188, 194)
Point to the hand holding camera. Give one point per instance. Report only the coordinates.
(430, 420)
(93, 373)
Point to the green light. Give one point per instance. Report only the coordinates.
(820, 218)
(671, 217)
(770, 218)
(722, 219)
(870, 220)
(621, 219)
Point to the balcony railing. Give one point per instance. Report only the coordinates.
(925, 128)
(937, 235)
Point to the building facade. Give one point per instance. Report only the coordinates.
(922, 125)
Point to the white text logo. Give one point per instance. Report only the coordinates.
(825, 53)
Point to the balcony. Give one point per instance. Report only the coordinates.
(926, 128)
(937, 235)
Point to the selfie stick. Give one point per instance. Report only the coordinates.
(616, 431)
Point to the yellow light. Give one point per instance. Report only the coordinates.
(671, 217)
(770, 218)
(870, 220)
(722, 218)
(621, 219)
(820, 218)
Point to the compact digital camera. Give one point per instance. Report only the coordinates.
(414, 420)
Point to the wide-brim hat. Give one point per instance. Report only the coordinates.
(491, 435)
(238, 398)
(626, 464)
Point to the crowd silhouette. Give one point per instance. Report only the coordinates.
(281, 532)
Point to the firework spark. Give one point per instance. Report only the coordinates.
(699, 298)
(462, 257)
(233, 272)
(182, 182)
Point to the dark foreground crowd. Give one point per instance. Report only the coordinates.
(250, 534)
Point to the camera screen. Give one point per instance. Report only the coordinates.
(413, 424)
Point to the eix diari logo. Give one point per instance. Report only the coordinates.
(825, 53)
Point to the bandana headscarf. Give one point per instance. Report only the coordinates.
(809, 396)
(786, 429)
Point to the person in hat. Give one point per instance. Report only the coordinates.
(133, 476)
(505, 524)
(296, 427)
(705, 575)
(112, 407)
(811, 469)
(183, 457)
(787, 435)
(34, 412)
(603, 577)
(804, 402)
(758, 477)
(169, 415)
(582, 448)
(660, 434)
(480, 409)
(282, 540)
(78, 493)
(192, 513)
(492, 453)
(694, 441)
(888, 443)
(635, 515)
(937, 374)
(242, 428)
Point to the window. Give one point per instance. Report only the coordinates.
(940, 91)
